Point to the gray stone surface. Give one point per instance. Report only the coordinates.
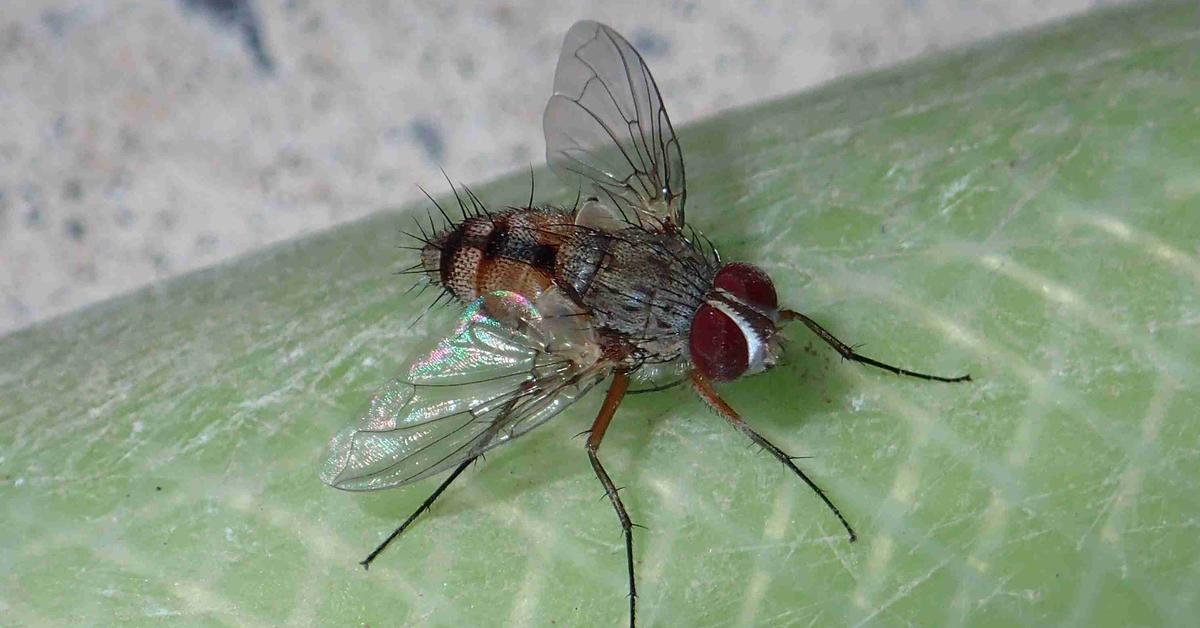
(144, 139)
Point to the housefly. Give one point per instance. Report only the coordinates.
(617, 288)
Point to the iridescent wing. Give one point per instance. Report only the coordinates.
(606, 125)
(506, 368)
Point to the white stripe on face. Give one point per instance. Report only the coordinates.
(756, 346)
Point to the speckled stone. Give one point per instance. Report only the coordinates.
(144, 139)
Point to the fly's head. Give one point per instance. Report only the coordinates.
(733, 331)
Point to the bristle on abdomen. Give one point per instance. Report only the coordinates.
(511, 250)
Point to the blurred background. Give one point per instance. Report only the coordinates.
(143, 139)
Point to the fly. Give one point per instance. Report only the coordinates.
(618, 287)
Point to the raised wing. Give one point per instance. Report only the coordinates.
(606, 125)
(504, 370)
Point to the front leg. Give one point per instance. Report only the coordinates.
(849, 353)
(705, 390)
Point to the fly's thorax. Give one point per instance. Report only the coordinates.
(511, 250)
(733, 332)
(578, 261)
(641, 285)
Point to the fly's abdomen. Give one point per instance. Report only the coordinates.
(511, 250)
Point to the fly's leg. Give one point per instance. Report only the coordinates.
(849, 353)
(481, 444)
(366, 563)
(705, 390)
(616, 392)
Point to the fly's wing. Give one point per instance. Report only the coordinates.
(606, 125)
(504, 370)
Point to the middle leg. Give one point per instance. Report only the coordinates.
(616, 392)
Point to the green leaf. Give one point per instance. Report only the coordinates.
(1026, 211)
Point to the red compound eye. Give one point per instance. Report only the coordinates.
(748, 283)
(718, 345)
